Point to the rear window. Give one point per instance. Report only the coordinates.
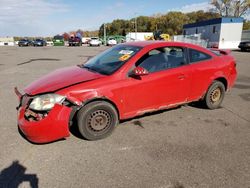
(216, 52)
(196, 56)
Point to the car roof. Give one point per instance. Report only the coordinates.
(160, 43)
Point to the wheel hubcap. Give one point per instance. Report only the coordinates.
(99, 120)
(215, 95)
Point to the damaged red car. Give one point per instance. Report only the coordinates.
(125, 81)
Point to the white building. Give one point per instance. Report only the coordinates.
(7, 41)
(224, 33)
(138, 36)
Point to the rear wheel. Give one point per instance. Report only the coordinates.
(215, 95)
(97, 120)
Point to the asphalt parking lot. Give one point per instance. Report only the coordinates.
(186, 147)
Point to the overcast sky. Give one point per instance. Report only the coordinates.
(50, 17)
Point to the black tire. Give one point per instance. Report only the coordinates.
(215, 95)
(97, 120)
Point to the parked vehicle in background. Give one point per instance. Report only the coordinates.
(58, 40)
(122, 82)
(119, 38)
(85, 40)
(95, 41)
(49, 43)
(75, 41)
(25, 42)
(111, 42)
(39, 42)
(244, 46)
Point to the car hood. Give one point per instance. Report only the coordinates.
(61, 78)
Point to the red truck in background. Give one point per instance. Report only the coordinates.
(75, 40)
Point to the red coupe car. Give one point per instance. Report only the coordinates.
(125, 81)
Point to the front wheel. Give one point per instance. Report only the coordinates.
(97, 120)
(215, 95)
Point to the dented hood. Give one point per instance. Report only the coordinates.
(61, 78)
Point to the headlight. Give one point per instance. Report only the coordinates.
(46, 102)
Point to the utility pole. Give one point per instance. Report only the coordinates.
(104, 33)
(135, 27)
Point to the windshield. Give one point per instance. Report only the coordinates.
(58, 37)
(112, 59)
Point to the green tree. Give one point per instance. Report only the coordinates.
(200, 15)
(246, 25)
(170, 23)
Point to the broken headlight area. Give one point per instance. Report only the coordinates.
(46, 102)
(39, 106)
(34, 116)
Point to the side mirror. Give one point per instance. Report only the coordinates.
(139, 71)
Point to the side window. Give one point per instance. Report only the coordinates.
(176, 56)
(163, 58)
(196, 56)
(155, 60)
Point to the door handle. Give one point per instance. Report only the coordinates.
(181, 77)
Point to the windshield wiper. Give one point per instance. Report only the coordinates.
(88, 68)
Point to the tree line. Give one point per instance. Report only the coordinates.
(170, 23)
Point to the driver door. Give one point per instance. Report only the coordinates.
(166, 84)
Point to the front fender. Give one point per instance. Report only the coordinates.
(83, 96)
(79, 96)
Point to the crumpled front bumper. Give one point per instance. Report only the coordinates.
(53, 127)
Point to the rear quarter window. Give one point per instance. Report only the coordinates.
(196, 56)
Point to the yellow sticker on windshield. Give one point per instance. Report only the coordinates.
(124, 57)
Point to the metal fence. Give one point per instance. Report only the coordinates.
(194, 39)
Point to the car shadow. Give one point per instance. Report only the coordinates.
(15, 175)
(74, 130)
(239, 50)
(136, 120)
(200, 105)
